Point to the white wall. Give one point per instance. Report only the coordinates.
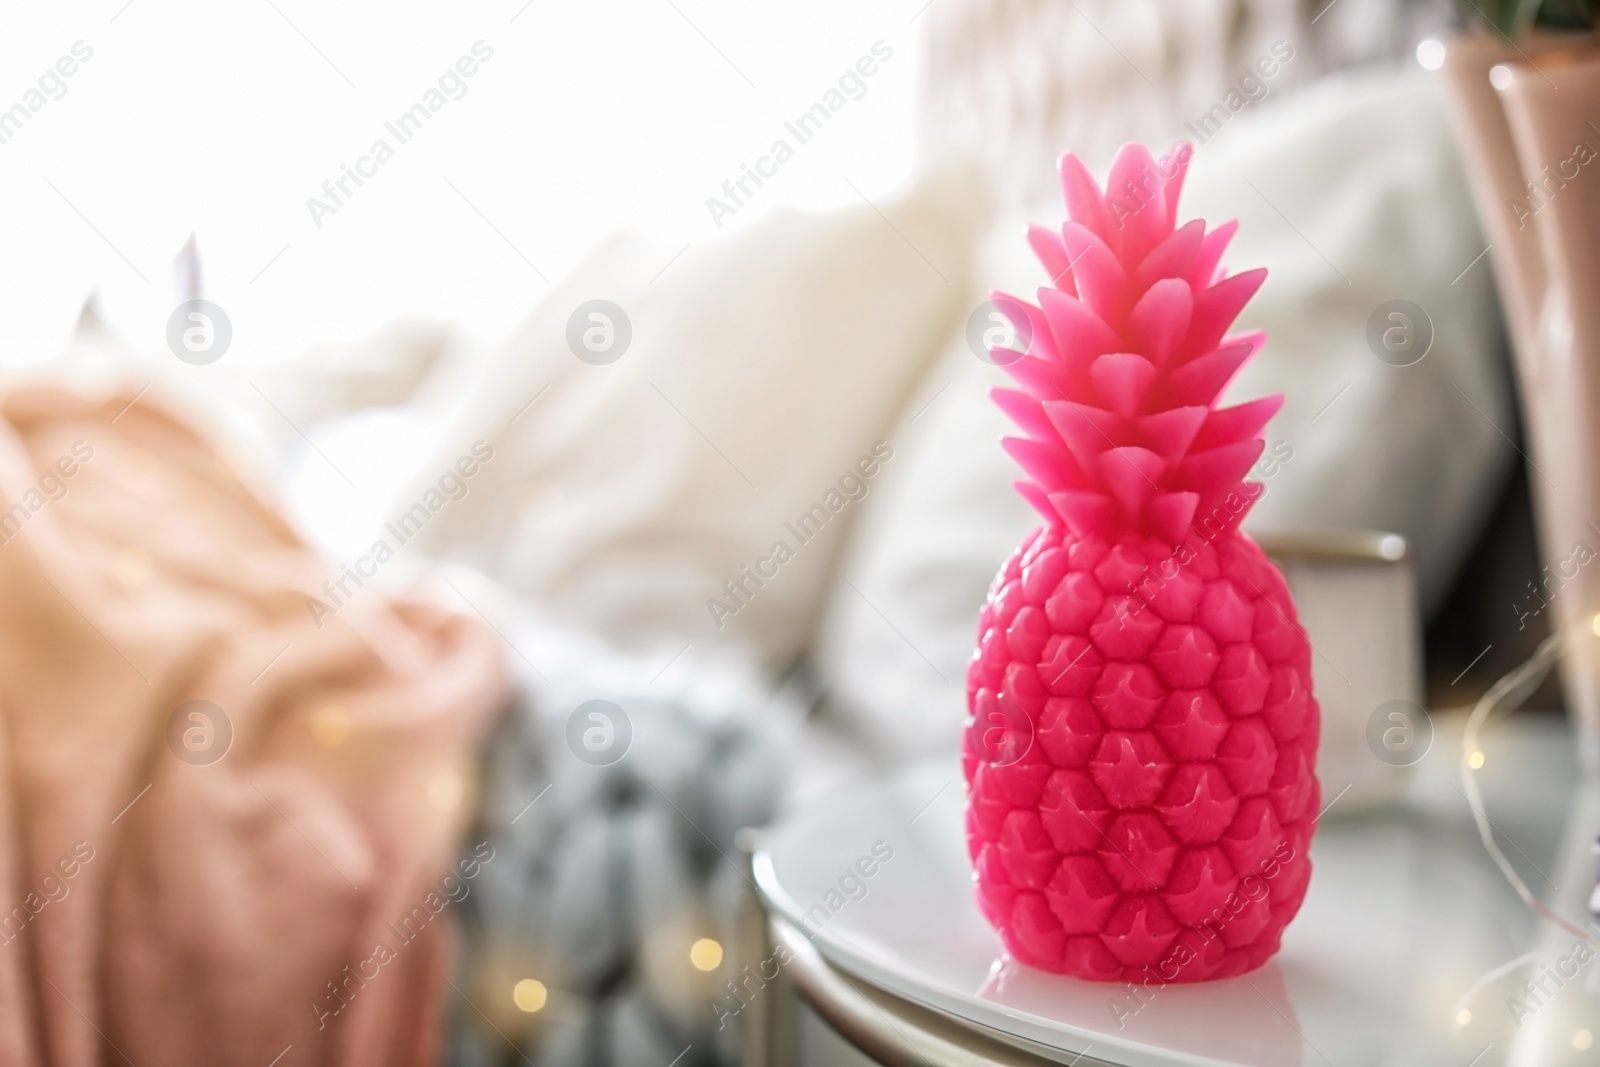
(224, 118)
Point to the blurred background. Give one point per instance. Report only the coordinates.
(580, 311)
(587, 123)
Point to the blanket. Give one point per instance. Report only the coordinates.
(228, 822)
(603, 933)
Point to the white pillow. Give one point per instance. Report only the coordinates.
(761, 370)
(1363, 172)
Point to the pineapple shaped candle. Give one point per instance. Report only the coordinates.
(1140, 752)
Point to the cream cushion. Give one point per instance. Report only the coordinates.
(761, 369)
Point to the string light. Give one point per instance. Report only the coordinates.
(1464, 1013)
(1582, 1040)
(529, 995)
(1508, 694)
(705, 954)
(330, 725)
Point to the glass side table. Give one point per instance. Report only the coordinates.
(863, 910)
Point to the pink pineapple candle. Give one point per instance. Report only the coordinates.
(1139, 758)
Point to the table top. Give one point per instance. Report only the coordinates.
(1398, 956)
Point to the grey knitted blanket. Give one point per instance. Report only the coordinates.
(597, 932)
